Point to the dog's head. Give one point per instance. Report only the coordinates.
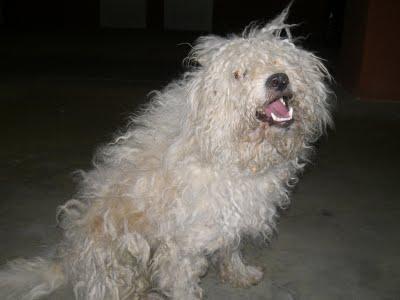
(260, 88)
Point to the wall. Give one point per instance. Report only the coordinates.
(1, 13)
(370, 57)
(123, 13)
(188, 15)
(381, 58)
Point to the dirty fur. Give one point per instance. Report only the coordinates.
(191, 175)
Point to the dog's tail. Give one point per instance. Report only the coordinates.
(23, 279)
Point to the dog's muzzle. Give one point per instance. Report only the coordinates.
(276, 110)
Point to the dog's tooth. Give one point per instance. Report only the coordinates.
(278, 119)
(282, 101)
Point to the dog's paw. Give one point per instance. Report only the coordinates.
(195, 294)
(154, 296)
(243, 278)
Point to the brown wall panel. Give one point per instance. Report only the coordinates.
(370, 55)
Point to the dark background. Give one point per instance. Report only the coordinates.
(358, 37)
(322, 20)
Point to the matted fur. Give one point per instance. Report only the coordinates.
(194, 172)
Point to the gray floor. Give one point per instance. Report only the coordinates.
(63, 95)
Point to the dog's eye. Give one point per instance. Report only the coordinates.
(239, 75)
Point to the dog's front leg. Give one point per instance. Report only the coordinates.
(177, 272)
(232, 269)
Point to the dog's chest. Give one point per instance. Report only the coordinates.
(246, 203)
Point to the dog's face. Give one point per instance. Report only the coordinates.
(260, 88)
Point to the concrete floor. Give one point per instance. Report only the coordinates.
(62, 95)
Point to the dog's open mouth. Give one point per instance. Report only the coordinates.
(276, 112)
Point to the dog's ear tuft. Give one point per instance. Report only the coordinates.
(273, 28)
(279, 23)
(205, 48)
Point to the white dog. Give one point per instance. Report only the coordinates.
(208, 161)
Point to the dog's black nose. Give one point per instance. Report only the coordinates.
(278, 81)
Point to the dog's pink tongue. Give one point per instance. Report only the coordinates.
(278, 108)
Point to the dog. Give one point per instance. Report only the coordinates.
(208, 161)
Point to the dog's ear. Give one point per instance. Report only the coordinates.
(205, 48)
(273, 28)
(278, 23)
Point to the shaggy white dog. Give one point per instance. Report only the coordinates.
(208, 161)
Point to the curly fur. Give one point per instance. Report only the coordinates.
(193, 173)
